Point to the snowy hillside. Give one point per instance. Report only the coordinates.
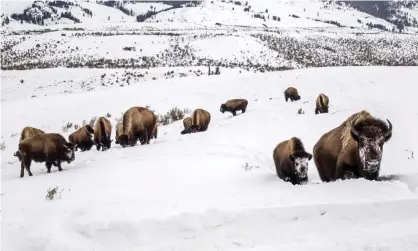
(214, 190)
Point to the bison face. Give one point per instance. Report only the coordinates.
(124, 140)
(69, 150)
(186, 131)
(370, 141)
(222, 108)
(300, 163)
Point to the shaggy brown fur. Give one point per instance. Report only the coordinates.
(138, 124)
(292, 94)
(102, 134)
(82, 138)
(353, 149)
(200, 122)
(119, 131)
(291, 161)
(234, 105)
(28, 132)
(51, 148)
(322, 102)
(187, 122)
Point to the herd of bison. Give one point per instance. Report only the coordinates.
(351, 150)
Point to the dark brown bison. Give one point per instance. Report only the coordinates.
(234, 105)
(138, 124)
(51, 148)
(322, 102)
(119, 131)
(82, 138)
(102, 134)
(291, 161)
(353, 149)
(292, 94)
(29, 132)
(200, 122)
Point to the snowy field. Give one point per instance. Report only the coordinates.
(215, 190)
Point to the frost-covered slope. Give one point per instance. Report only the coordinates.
(216, 190)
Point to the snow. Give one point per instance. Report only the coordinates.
(191, 192)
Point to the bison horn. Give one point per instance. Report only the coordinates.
(354, 130)
(389, 129)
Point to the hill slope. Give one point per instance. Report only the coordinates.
(217, 189)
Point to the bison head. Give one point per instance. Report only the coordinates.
(69, 150)
(106, 143)
(124, 140)
(222, 108)
(300, 162)
(297, 97)
(370, 136)
(186, 131)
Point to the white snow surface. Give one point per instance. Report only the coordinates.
(191, 192)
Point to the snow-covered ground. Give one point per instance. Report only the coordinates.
(215, 190)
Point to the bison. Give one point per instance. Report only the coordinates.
(138, 124)
(291, 161)
(51, 148)
(82, 138)
(187, 123)
(322, 104)
(353, 149)
(119, 130)
(234, 105)
(292, 94)
(29, 132)
(200, 122)
(102, 133)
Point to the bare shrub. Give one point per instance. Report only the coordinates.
(248, 167)
(67, 126)
(173, 115)
(51, 192)
(3, 146)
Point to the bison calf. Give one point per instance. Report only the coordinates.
(292, 94)
(200, 122)
(119, 131)
(102, 134)
(353, 149)
(234, 105)
(51, 148)
(291, 161)
(82, 138)
(322, 104)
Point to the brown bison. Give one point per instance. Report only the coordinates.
(82, 138)
(200, 122)
(51, 148)
(187, 123)
(292, 94)
(138, 124)
(102, 133)
(353, 149)
(234, 105)
(29, 132)
(322, 104)
(119, 131)
(291, 161)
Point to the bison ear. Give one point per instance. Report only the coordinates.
(292, 157)
(309, 156)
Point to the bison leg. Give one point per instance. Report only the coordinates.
(243, 110)
(48, 166)
(286, 98)
(59, 166)
(98, 147)
(344, 171)
(234, 112)
(25, 164)
(316, 110)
